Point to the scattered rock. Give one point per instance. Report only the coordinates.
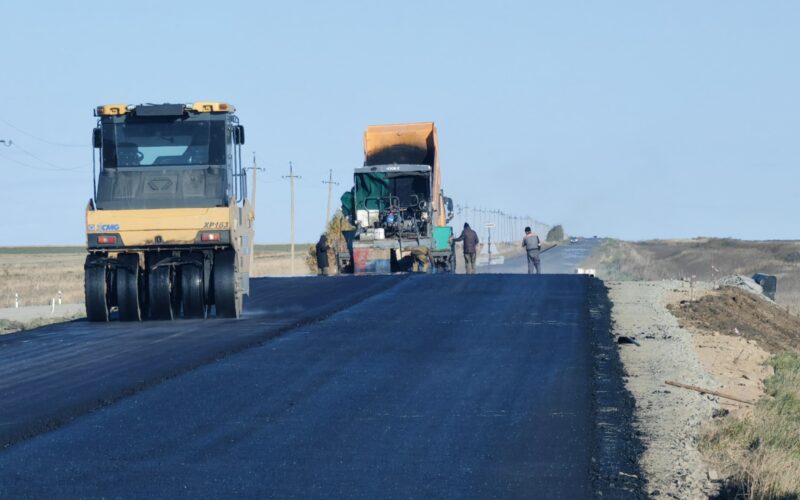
(720, 412)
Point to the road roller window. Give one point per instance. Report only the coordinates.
(163, 142)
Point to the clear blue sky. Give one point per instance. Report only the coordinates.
(628, 119)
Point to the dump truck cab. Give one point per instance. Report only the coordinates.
(397, 205)
(170, 225)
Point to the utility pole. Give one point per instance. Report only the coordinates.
(255, 169)
(330, 184)
(291, 178)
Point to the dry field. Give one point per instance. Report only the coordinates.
(37, 274)
(705, 258)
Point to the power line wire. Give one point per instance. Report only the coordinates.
(38, 167)
(53, 143)
(57, 167)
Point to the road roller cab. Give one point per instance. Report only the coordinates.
(170, 226)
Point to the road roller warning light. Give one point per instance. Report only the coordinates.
(209, 237)
(168, 173)
(106, 240)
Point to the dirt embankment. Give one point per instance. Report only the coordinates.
(733, 311)
(752, 347)
(725, 339)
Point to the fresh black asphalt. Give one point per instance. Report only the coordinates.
(53, 374)
(435, 386)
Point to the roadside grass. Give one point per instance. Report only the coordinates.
(760, 452)
(39, 250)
(278, 248)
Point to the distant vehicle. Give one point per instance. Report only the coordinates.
(574, 240)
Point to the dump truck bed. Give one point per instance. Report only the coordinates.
(408, 143)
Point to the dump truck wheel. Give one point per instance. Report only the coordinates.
(193, 292)
(163, 293)
(129, 288)
(96, 286)
(225, 297)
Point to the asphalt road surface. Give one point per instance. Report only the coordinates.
(434, 386)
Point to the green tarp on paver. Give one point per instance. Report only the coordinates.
(370, 188)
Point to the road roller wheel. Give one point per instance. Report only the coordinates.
(130, 292)
(163, 293)
(228, 302)
(96, 288)
(192, 291)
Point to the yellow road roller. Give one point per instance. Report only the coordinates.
(169, 229)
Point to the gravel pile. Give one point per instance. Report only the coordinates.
(743, 282)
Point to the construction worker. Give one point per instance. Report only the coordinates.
(322, 255)
(532, 247)
(470, 239)
(421, 256)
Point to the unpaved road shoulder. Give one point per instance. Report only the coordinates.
(668, 419)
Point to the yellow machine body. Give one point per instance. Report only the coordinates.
(147, 229)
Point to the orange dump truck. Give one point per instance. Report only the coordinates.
(397, 204)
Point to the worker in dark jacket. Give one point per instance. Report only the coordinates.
(322, 255)
(532, 247)
(470, 239)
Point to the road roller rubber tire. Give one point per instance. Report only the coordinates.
(96, 288)
(192, 291)
(162, 293)
(129, 288)
(224, 276)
